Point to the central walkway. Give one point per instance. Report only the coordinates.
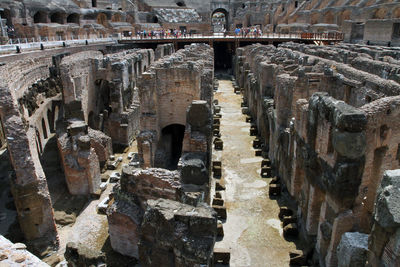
(253, 232)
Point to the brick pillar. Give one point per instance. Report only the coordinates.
(316, 197)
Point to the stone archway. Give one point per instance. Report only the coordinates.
(219, 20)
(169, 148)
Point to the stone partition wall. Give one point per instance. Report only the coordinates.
(111, 80)
(329, 124)
(101, 105)
(166, 90)
(28, 185)
(154, 212)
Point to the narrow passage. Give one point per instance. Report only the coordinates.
(253, 231)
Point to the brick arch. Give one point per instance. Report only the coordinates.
(380, 13)
(102, 19)
(116, 17)
(314, 18)
(329, 17)
(396, 13)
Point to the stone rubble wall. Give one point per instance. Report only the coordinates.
(175, 80)
(329, 126)
(175, 89)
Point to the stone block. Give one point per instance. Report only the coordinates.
(218, 144)
(352, 250)
(290, 230)
(387, 208)
(220, 230)
(284, 211)
(217, 170)
(219, 186)
(194, 172)
(218, 201)
(288, 220)
(253, 130)
(266, 172)
(297, 258)
(167, 228)
(274, 189)
(221, 211)
(216, 126)
(257, 143)
(266, 163)
(76, 127)
(221, 256)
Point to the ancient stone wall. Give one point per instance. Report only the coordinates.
(167, 89)
(328, 125)
(68, 19)
(139, 214)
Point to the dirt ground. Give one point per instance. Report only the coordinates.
(253, 231)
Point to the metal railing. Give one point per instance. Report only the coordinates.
(231, 35)
(33, 43)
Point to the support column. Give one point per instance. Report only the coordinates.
(316, 197)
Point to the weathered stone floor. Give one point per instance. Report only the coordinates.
(253, 231)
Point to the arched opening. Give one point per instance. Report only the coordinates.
(39, 142)
(91, 121)
(40, 17)
(57, 18)
(102, 19)
(329, 18)
(154, 19)
(94, 3)
(56, 116)
(6, 14)
(73, 18)
(116, 18)
(44, 129)
(396, 13)
(219, 20)
(314, 18)
(181, 3)
(50, 120)
(101, 96)
(223, 53)
(169, 148)
(380, 14)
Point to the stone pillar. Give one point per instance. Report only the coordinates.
(315, 199)
(342, 223)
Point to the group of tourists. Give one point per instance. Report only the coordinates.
(248, 32)
(171, 33)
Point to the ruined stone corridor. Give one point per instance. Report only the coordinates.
(253, 231)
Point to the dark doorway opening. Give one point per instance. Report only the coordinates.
(223, 56)
(73, 18)
(57, 18)
(6, 14)
(169, 147)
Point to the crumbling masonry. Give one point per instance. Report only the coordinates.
(329, 124)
